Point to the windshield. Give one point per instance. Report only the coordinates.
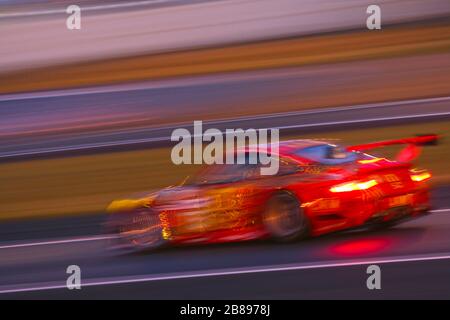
(328, 154)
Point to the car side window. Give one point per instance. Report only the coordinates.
(253, 171)
(287, 167)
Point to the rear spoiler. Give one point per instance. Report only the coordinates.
(407, 154)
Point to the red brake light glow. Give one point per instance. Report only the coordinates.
(354, 186)
(373, 160)
(420, 176)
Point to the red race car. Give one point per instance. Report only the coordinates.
(320, 188)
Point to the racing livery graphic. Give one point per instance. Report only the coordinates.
(320, 188)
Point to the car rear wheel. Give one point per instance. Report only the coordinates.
(284, 218)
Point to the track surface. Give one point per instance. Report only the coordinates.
(34, 255)
(414, 258)
(145, 114)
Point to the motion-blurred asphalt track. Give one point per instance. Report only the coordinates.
(121, 117)
(35, 253)
(414, 257)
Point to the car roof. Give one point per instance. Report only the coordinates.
(287, 147)
(290, 146)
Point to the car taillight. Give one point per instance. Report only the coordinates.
(354, 186)
(420, 176)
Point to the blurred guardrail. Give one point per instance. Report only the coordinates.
(43, 39)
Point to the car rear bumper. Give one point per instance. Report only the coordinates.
(391, 209)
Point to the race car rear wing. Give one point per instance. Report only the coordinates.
(407, 154)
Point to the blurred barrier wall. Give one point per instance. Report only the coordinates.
(43, 39)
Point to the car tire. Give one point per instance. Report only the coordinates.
(284, 218)
(144, 235)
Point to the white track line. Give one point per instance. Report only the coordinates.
(335, 109)
(105, 237)
(128, 4)
(440, 210)
(197, 81)
(161, 139)
(53, 242)
(332, 123)
(232, 271)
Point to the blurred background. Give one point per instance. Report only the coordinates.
(86, 115)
